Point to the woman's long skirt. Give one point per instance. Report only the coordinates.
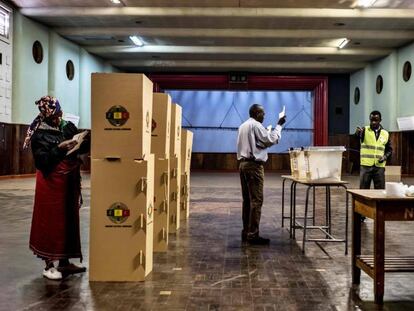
(55, 232)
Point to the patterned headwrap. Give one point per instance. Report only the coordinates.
(48, 106)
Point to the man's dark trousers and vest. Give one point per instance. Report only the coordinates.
(373, 147)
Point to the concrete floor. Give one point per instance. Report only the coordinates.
(206, 267)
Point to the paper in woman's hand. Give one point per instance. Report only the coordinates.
(282, 113)
(79, 138)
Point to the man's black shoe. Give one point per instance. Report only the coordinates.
(258, 241)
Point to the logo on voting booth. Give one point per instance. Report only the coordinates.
(117, 115)
(118, 212)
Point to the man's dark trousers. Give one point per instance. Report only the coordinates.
(368, 173)
(251, 177)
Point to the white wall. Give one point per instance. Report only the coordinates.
(405, 88)
(32, 81)
(6, 66)
(67, 91)
(358, 111)
(396, 98)
(89, 64)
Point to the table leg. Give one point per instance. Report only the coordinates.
(329, 210)
(356, 244)
(283, 202)
(379, 253)
(346, 220)
(294, 210)
(326, 206)
(305, 218)
(313, 202)
(291, 224)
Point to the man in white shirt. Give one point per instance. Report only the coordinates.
(252, 143)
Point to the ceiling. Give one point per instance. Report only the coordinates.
(277, 36)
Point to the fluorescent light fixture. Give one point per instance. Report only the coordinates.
(343, 43)
(366, 3)
(137, 41)
(116, 1)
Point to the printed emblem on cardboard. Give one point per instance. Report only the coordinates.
(153, 125)
(178, 131)
(118, 212)
(117, 115)
(189, 154)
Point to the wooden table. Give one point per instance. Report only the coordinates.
(376, 205)
(327, 183)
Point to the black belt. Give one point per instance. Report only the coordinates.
(251, 160)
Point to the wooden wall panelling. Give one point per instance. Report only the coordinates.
(410, 157)
(26, 161)
(17, 160)
(278, 162)
(407, 154)
(353, 154)
(285, 162)
(397, 148)
(14, 160)
(196, 160)
(86, 162)
(6, 150)
(231, 161)
(3, 150)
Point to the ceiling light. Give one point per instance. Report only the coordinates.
(116, 1)
(137, 41)
(343, 43)
(366, 3)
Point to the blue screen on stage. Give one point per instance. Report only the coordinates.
(214, 116)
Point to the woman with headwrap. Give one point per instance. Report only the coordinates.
(55, 224)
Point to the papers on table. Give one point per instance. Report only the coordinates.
(282, 113)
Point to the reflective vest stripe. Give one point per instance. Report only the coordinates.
(371, 156)
(373, 147)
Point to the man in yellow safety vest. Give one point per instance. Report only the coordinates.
(375, 150)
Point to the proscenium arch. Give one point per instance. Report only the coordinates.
(317, 84)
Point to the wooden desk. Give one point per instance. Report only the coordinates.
(327, 183)
(376, 205)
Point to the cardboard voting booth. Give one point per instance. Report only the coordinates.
(186, 150)
(121, 227)
(175, 168)
(121, 115)
(161, 125)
